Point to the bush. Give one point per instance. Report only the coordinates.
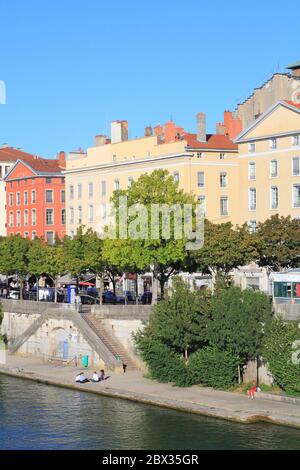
(213, 368)
(279, 351)
(164, 364)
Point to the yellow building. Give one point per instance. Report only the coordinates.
(205, 165)
(269, 165)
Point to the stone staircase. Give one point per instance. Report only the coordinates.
(15, 345)
(109, 340)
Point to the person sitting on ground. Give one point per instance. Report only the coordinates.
(81, 378)
(95, 377)
(102, 374)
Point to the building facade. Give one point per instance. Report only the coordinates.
(204, 165)
(269, 165)
(35, 198)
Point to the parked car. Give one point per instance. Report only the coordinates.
(146, 298)
(108, 297)
(88, 299)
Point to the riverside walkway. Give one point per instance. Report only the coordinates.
(133, 386)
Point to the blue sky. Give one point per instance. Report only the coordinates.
(71, 66)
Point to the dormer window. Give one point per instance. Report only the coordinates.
(273, 144)
(222, 156)
(295, 140)
(199, 154)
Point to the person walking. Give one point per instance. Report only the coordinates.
(78, 302)
(124, 367)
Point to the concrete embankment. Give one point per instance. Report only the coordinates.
(133, 386)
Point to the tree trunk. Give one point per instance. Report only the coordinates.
(136, 289)
(55, 290)
(162, 286)
(154, 290)
(37, 280)
(21, 288)
(113, 280)
(186, 354)
(239, 374)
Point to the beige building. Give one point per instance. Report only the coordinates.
(205, 165)
(269, 165)
(281, 86)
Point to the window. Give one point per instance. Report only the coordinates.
(199, 154)
(80, 214)
(103, 211)
(91, 190)
(33, 235)
(18, 218)
(1, 172)
(33, 217)
(116, 184)
(114, 158)
(202, 201)
(251, 147)
(49, 195)
(224, 205)
(63, 216)
(26, 218)
(103, 188)
(11, 199)
(25, 198)
(26, 235)
(18, 201)
(48, 180)
(49, 217)
(71, 215)
(33, 196)
(63, 196)
(252, 226)
(7, 167)
(223, 180)
(274, 197)
(252, 199)
(71, 192)
(91, 213)
(296, 166)
(130, 181)
(222, 156)
(176, 176)
(200, 179)
(273, 169)
(79, 191)
(295, 140)
(251, 171)
(273, 144)
(50, 238)
(296, 195)
(11, 219)
(71, 233)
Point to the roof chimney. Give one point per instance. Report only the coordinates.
(201, 127)
(148, 131)
(61, 157)
(100, 140)
(119, 131)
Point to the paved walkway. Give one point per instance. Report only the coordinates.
(133, 386)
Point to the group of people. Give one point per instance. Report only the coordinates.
(82, 379)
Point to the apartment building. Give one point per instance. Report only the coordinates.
(269, 165)
(203, 164)
(35, 198)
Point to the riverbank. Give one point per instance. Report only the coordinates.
(133, 386)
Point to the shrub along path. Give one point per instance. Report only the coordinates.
(133, 386)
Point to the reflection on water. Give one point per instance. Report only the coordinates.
(36, 416)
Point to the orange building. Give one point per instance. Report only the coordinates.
(35, 198)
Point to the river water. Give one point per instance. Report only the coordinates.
(37, 416)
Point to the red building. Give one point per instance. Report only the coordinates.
(35, 197)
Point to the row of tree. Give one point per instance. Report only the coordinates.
(275, 245)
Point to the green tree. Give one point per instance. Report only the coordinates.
(180, 320)
(224, 249)
(166, 255)
(238, 322)
(14, 258)
(55, 263)
(75, 253)
(281, 351)
(278, 243)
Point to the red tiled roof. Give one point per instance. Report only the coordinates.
(213, 141)
(39, 164)
(296, 105)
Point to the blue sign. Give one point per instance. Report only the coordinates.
(71, 294)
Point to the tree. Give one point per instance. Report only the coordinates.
(55, 263)
(36, 260)
(224, 249)
(238, 322)
(14, 258)
(75, 251)
(281, 350)
(278, 243)
(180, 320)
(165, 253)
